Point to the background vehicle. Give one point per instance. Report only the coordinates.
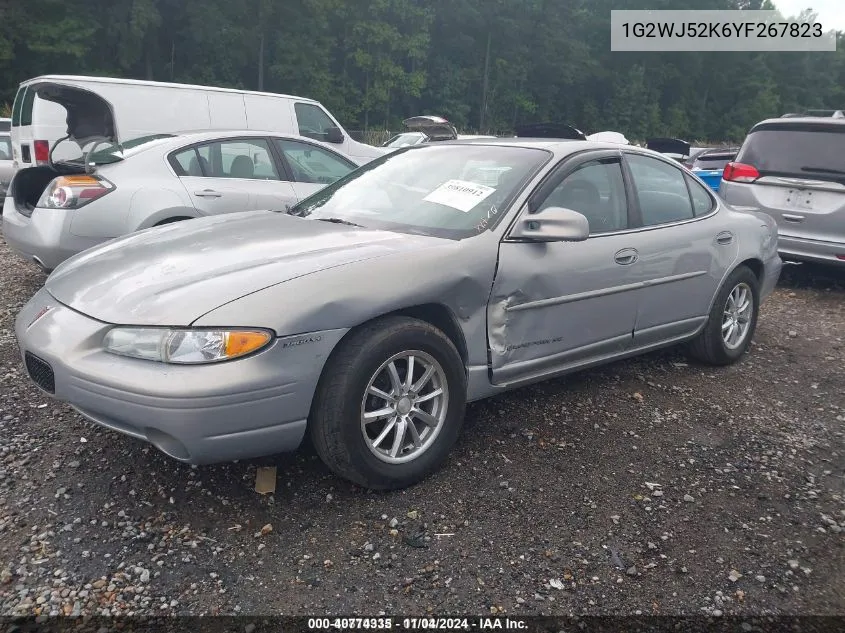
(54, 212)
(7, 169)
(793, 168)
(549, 130)
(709, 164)
(675, 148)
(427, 129)
(141, 108)
(371, 313)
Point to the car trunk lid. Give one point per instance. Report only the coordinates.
(90, 117)
(549, 130)
(674, 147)
(434, 127)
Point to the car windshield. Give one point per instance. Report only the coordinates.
(789, 150)
(450, 191)
(5, 148)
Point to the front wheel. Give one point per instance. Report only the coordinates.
(732, 321)
(390, 404)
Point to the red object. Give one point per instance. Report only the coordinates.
(42, 151)
(740, 172)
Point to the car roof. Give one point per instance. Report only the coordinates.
(160, 84)
(808, 121)
(560, 147)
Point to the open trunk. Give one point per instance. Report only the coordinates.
(90, 122)
(29, 184)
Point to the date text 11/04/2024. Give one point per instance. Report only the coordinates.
(417, 624)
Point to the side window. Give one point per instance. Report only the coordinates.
(595, 189)
(27, 107)
(702, 203)
(310, 163)
(247, 158)
(661, 190)
(313, 122)
(17, 106)
(5, 148)
(186, 163)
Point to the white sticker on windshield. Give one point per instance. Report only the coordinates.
(459, 194)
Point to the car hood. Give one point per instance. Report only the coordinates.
(174, 274)
(90, 117)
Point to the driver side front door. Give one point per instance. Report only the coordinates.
(559, 305)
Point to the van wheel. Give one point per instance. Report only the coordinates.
(390, 404)
(732, 321)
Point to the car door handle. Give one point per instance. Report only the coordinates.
(795, 219)
(626, 256)
(725, 237)
(208, 193)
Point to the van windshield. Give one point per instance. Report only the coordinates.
(116, 152)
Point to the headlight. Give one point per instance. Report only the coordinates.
(186, 346)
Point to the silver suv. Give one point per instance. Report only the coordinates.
(793, 168)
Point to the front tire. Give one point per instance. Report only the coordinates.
(732, 320)
(390, 404)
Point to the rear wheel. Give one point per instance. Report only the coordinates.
(732, 321)
(390, 404)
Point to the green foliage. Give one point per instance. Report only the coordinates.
(486, 65)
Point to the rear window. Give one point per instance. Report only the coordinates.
(16, 106)
(805, 151)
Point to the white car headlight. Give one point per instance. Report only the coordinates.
(187, 346)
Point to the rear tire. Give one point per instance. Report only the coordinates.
(732, 320)
(373, 425)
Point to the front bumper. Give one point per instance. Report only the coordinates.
(44, 237)
(820, 251)
(219, 412)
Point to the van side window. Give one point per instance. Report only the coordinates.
(313, 122)
(27, 106)
(17, 106)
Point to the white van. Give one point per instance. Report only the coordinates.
(44, 106)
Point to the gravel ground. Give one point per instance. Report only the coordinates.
(653, 486)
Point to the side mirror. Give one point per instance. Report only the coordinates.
(552, 224)
(334, 135)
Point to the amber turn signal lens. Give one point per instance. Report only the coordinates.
(239, 343)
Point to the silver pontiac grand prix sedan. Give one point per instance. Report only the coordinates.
(370, 313)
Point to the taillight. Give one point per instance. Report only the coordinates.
(42, 152)
(72, 192)
(740, 172)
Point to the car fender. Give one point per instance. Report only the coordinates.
(347, 296)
